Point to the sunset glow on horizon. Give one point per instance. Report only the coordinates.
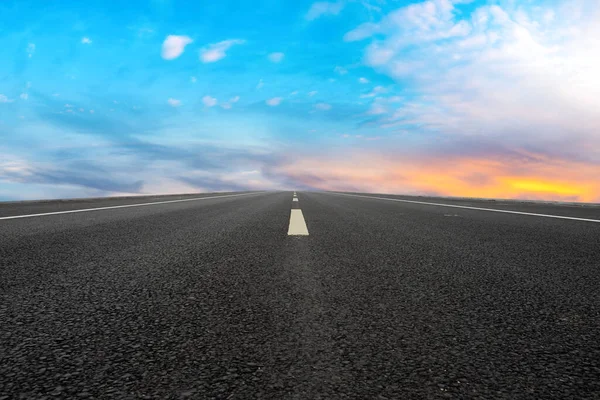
(478, 178)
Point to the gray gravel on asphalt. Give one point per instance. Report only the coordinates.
(383, 300)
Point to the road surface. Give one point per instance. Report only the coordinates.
(332, 296)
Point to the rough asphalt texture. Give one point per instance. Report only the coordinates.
(384, 300)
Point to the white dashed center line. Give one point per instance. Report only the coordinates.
(297, 224)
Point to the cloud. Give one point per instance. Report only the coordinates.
(30, 49)
(363, 80)
(24, 96)
(260, 84)
(174, 102)
(234, 99)
(209, 101)
(377, 90)
(322, 8)
(173, 46)
(4, 99)
(341, 70)
(377, 109)
(217, 51)
(82, 174)
(419, 21)
(275, 101)
(276, 57)
(514, 74)
(312, 93)
(87, 40)
(323, 106)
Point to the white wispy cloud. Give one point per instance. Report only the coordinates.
(24, 96)
(276, 57)
(518, 75)
(209, 101)
(30, 49)
(174, 45)
(312, 93)
(4, 99)
(275, 101)
(377, 109)
(377, 90)
(217, 51)
(86, 40)
(363, 80)
(260, 84)
(323, 106)
(234, 99)
(341, 70)
(174, 102)
(322, 8)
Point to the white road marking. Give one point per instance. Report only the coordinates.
(472, 208)
(297, 223)
(294, 199)
(123, 206)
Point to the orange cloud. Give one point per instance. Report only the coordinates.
(531, 176)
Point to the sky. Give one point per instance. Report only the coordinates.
(481, 98)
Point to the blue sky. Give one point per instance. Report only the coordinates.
(490, 98)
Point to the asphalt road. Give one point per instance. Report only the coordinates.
(381, 300)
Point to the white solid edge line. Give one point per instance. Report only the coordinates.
(294, 199)
(297, 223)
(124, 206)
(471, 208)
